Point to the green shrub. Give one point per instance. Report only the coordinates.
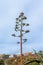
(33, 63)
(2, 62)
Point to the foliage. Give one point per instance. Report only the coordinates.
(2, 62)
(16, 61)
(33, 63)
(12, 61)
(40, 56)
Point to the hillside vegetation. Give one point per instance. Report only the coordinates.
(27, 60)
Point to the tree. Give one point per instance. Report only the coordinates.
(19, 27)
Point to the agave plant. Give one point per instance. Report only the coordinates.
(40, 55)
(19, 28)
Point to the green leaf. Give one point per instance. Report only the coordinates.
(25, 17)
(16, 27)
(16, 18)
(24, 40)
(17, 22)
(18, 42)
(14, 35)
(27, 24)
(27, 31)
(21, 14)
(23, 24)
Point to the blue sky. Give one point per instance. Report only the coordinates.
(9, 10)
